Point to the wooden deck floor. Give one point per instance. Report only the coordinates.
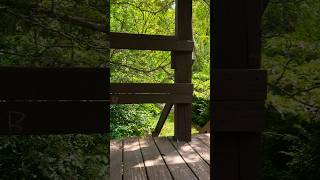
(160, 158)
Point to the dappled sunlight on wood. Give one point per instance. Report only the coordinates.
(161, 158)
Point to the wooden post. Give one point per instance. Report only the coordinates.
(238, 118)
(182, 63)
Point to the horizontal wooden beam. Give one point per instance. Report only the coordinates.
(239, 84)
(27, 83)
(53, 117)
(149, 42)
(177, 88)
(150, 98)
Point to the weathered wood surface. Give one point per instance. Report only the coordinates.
(133, 164)
(116, 149)
(154, 163)
(149, 42)
(176, 164)
(158, 158)
(204, 138)
(193, 159)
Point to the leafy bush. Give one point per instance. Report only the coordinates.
(54, 157)
(130, 120)
(200, 111)
(291, 146)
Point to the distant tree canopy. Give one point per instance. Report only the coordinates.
(53, 33)
(158, 18)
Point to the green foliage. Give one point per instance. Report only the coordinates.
(291, 55)
(200, 111)
(130, 120)
(37, 33)
(54, 157)
(157, 18)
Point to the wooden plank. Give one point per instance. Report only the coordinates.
(116, 159)
(54, 83)
(177, 88)
(149, 42)
(53, 117)
(132, 160)
(205, 138)
(238, 116)
(163, 117)
(150, 98)
(202, 149)
(239, 84)
(156, 167)
(175, 163)
(225, 156)
(194, 161)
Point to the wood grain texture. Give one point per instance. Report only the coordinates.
(116, 148)
(194, 161)
(155, 165)
(205, 138)
(177, 166)
(158, 158)
(132, 160)
(202, 149)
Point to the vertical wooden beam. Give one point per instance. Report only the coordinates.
(235, 44)
(182, 63)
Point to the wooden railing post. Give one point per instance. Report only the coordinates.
(182, 63)
(238, 90)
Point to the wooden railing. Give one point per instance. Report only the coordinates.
(178, 94)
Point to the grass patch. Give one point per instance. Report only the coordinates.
(168, 127)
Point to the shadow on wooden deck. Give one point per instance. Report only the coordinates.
(160, 158)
